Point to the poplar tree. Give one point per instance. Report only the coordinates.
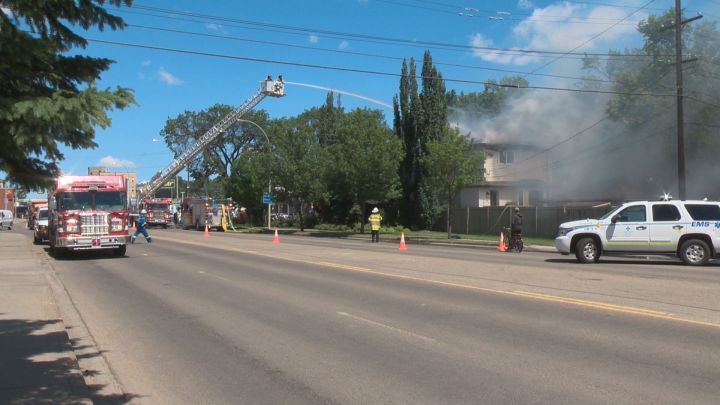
(419, 118)
(48, 97)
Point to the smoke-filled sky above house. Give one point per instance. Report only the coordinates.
(189, 55)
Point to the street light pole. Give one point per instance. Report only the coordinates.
(269, 224)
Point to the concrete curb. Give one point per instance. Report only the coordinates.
(101, 383)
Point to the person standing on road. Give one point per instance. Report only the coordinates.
(140, 225)
(517, 225)
(375, 219)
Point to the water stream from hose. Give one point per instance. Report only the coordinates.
(314, 86)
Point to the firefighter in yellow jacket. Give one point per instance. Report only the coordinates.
(375, 219)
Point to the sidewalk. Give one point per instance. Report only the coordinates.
(38, 364)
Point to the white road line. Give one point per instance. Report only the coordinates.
(392, 328)
(213, 275)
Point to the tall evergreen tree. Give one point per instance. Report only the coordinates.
(419, 118)
(47, 95)
(405, 129)
(434, 102)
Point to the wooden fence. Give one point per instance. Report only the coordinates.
(537, 221)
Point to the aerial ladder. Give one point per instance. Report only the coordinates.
(268, 87)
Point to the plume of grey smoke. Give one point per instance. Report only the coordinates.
(533, 117)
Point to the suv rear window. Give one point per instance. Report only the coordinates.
(704, 212)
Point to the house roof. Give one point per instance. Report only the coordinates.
(504, 146)
(525, 183)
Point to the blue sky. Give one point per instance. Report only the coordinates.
(348, 34)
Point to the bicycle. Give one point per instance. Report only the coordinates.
(513, 241)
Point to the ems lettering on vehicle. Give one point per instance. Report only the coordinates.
(686, 229)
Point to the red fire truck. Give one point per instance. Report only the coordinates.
(88, 212)
(158, 211)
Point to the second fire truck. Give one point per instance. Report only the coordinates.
(158, 211)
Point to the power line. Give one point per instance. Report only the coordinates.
(374, 72)
(415, 42)
(586, 129)
(595, 36)
(579, 155)
(339, 51)
(471, 12)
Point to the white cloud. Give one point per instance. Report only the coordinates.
(212, 26)
(578, 25)
(525, 4)
(344, 45)
(563, 27)
(313, 39)
(478, 41)
(169, 78)
(141, 76)
(109, 161)
(147, 62)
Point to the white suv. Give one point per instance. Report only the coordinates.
(687, 229)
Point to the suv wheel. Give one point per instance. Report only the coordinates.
(695, 252)
(587, 250)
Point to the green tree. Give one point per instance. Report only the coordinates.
(451, 164)
(489, 103)
(48, 97)
(183, 131)
(407, 110)
(367, 158)
(418, 118)
(651, 120)
(300, 162)
(249, 178)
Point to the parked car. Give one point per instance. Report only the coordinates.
(689, 230)
(40, 229)
(6, 219)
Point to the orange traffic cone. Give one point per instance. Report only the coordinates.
(402, 246)
(206, 234)
(501, 245)
(276, 239)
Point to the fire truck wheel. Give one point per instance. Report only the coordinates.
(121, 250)
(57, 252)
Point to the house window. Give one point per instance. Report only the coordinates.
(507, 156)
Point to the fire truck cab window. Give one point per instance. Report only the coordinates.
(109, 200)
(87, 200)
(75, 201)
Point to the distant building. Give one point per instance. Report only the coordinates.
(515, 174)
(130, 177)
(7, 198)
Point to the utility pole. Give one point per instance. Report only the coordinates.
(679, 94)
(679, 90)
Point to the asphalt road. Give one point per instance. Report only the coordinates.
(234, 318)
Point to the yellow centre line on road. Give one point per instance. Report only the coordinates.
(516, 293)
